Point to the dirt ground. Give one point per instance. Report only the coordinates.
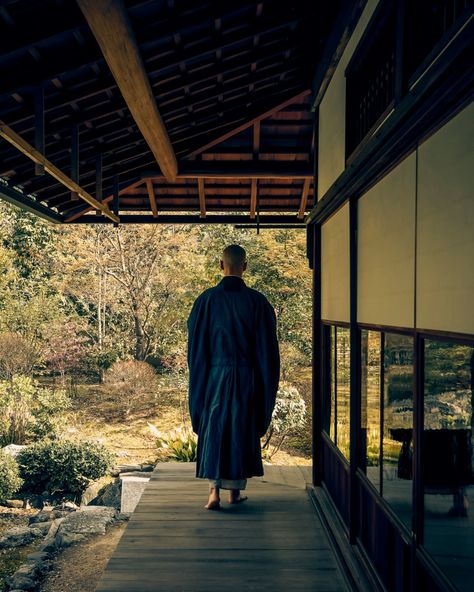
(79, 568)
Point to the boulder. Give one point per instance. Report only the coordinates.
(89, 520)
(111, 495)
(66, 539)
(22, 583)
(41, 528)
(18, 537)
(148, 468)
(66, 507)
(40, 517)
(13, 449)
(14, 503)
(91, 493)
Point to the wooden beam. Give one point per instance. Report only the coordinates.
(240, 170)
(109, 22)
(190, 219)
(27, 149)
(304, 198)
(27, 203)
(253, 198)
(266, 111)
(202, 198)
(151, 197)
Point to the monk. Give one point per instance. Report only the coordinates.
(234, 369)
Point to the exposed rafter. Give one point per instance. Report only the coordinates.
(27, 149)
(253, 198)
(151, 197)
(202, 198)
(304, 198)
(253, 116)
(109, 22)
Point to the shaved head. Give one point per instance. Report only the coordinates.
(234, 260)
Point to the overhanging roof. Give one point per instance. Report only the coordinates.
(231, 81)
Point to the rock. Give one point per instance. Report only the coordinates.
(42, 528)
(127, 468)
(123, 516)
(91, 493)
(38, 556)
(132, 489)
(66, 506)
(13, 449)
(48, 546)
(123, 454)
(40, 517)
(89, 520)
(111, 495)
(17, 537)
(22, 583)
(66, 539)
(14, 503)
(148, 468)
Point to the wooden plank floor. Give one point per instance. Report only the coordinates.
(273, 542)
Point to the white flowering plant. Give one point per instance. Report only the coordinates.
(179, 444)
(288, 415)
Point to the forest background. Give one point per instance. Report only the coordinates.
(79, 305)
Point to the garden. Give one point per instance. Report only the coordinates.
(93, 376)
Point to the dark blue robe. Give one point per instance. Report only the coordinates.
(234, 368)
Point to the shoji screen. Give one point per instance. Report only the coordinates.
(445, 239)
(386, 249)
(335, 267)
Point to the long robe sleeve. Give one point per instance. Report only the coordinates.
(267, 367)
(198, 360)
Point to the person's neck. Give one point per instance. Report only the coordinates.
(232, 275)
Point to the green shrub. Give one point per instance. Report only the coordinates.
(179, 444)
(10, 481)
(63, 467)
(27, 411)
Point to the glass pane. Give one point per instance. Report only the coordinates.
(398, 424)
(343, 390)
(448, 459)
(370, 405)
(332, 382)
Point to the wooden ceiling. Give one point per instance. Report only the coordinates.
(230, 82)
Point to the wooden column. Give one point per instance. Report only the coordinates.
(151, 197)
(39, 127)
(202, 198)
(354, 375)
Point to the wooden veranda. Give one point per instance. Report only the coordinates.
(273, 542)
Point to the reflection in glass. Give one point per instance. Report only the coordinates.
(332, 380)
(448, 459)
(343, 357)
(370, 404)
(398, 424)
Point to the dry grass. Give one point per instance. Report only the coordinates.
(96, 415)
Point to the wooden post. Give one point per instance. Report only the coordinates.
(98, 180)
(202, 198)
(151, 197)
(39, 127)
(116, 198)
(354, 375)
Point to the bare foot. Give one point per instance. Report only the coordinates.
(235, 497)
(214, 502)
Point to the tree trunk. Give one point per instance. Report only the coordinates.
(139, 336)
